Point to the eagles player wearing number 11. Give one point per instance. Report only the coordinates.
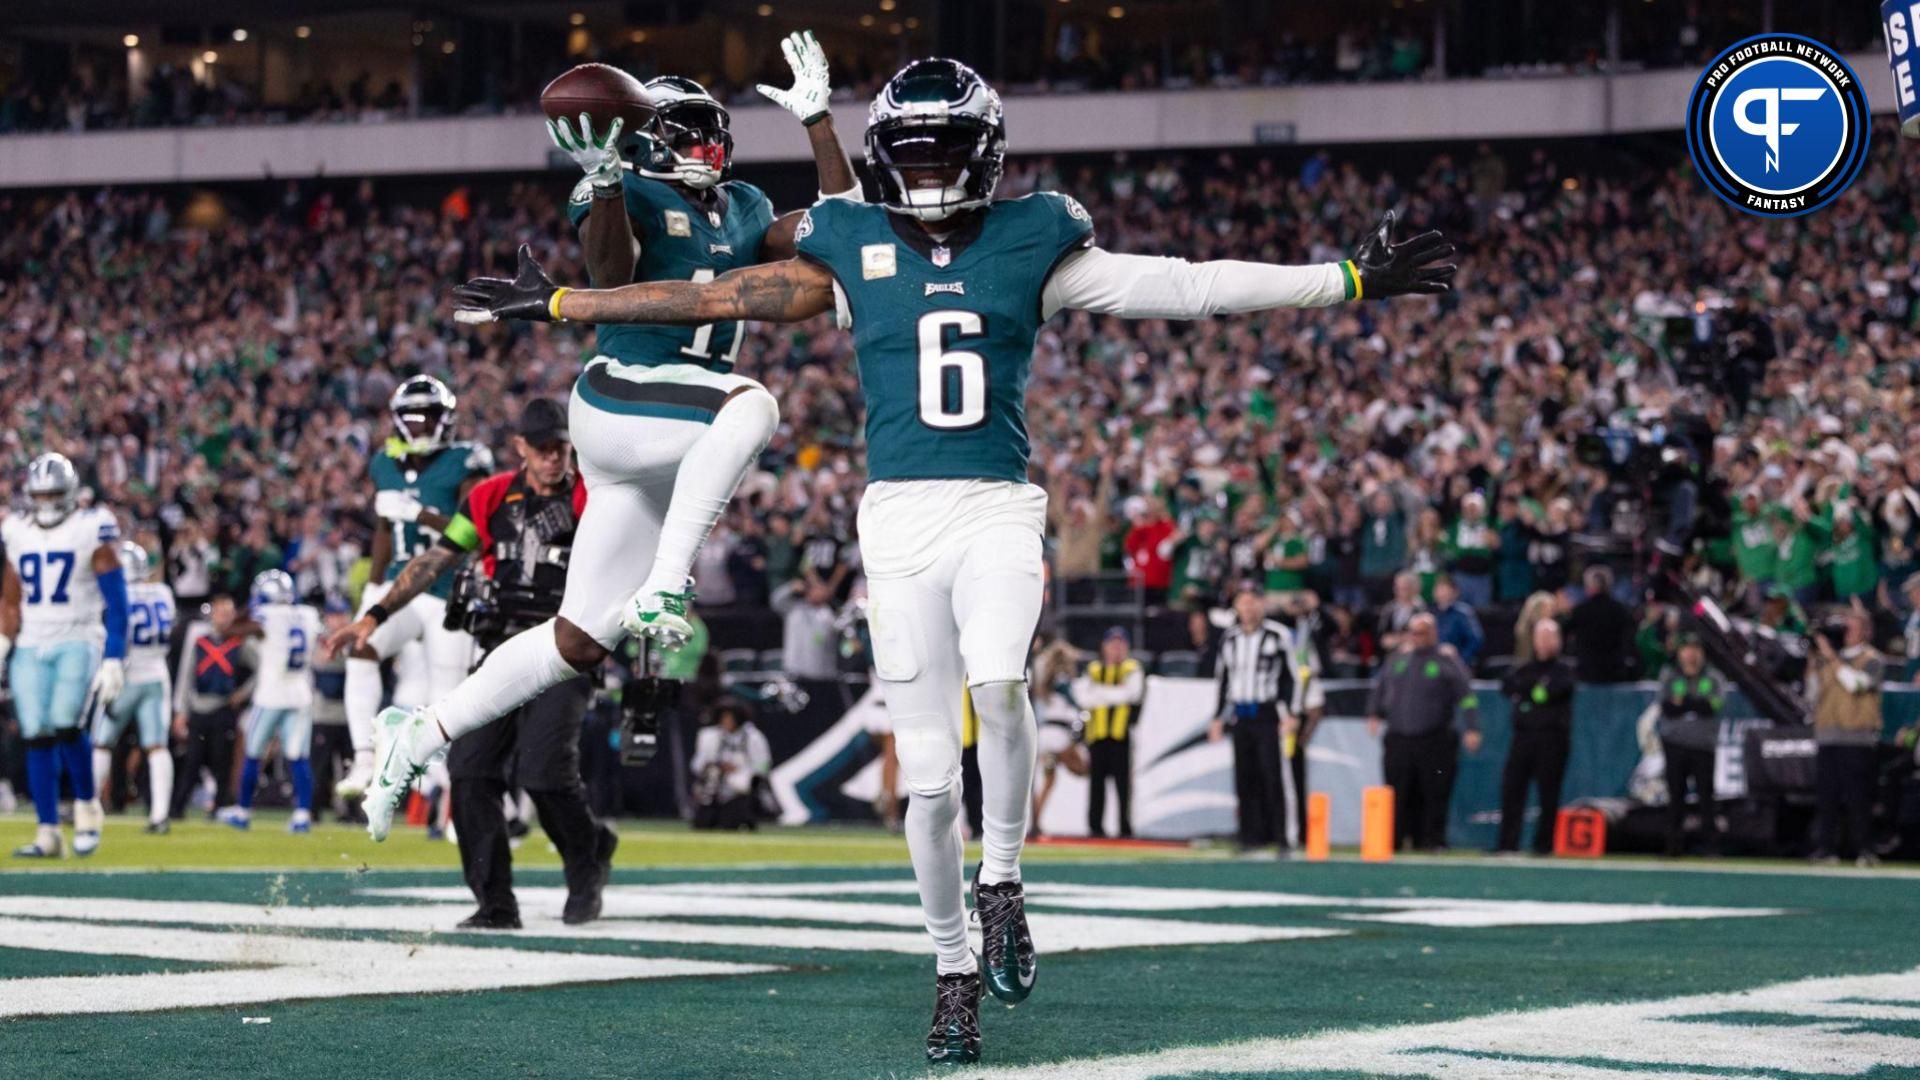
(663, 426)
(944, 291)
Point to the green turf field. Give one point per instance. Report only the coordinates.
(800, 954)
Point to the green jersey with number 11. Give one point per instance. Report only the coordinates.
(683, 240)
(943, 330)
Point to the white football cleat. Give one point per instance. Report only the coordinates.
(354, 785)
(660, 615)
(87, 819)
(395, 734)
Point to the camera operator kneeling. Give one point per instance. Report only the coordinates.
(730, 761)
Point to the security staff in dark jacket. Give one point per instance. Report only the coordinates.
(1691, 697)
(214, 680)
(1110, 690)
(1420, 696)
(521, 524)
(1255, 669)
(1541, 691)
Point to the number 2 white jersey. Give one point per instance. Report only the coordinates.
(289, 634)
(150, 615)
(59, 596)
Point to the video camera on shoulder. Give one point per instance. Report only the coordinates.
(474, 605)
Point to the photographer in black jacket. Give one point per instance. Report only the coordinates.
(1541, 691)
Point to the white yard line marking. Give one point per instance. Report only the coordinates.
(1578, 1042)
(281, 967)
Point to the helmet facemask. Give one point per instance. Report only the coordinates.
(423, 412)
(693, 146)
(933, 169)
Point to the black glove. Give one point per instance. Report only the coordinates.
(1411, 266)
(529, 295)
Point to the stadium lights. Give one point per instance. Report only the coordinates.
(446, 48)
(578, 18)
(209, 57)
(764, 10)
(867, 20)
(131, 41)
(638, 37)
(239, 34)
(1116, 12)
(303, 32)
(913, 23)
(887, 5)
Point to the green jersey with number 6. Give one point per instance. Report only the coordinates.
(683, 240)
(944, 329)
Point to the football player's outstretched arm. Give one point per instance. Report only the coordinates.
(807, 101)
(607, 233)
(786, 291)
(1139, 286)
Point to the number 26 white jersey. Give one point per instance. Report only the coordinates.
(59, 596)
(151, 612)
(288, 635)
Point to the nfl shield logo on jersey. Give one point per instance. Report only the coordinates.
(942, 256)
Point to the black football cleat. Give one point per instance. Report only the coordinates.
(1008, 964)
(490, 920)
(954, 1038)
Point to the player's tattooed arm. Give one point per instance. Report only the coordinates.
(785, 291)
(415, 578)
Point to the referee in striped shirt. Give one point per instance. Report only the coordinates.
(1255, 670)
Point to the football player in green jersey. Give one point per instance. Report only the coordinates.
(420, 478)
(944, 291)
(663, 427)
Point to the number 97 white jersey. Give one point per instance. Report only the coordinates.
(59, 596)
(288, 635)
(150, 614)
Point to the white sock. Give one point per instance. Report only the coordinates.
(513, 674)
(159, 782)
(47, 837)
(933, 840)
(102, 768)
(1006, 747)
(362, 701)
(705, 483)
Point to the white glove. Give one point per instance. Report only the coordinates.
(598, 157)
(811, 88)
(397, 506)
(109, 680)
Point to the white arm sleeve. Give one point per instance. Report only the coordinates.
(1148, 287)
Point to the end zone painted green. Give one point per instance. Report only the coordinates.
(843, 1012)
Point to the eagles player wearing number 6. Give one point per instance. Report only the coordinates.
(944, 291)
(663, 426)
(65, 603)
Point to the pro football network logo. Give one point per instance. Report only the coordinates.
(1777, 125)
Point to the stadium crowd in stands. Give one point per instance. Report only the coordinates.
(94, 90)
(223, 385)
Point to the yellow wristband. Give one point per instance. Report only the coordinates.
(553, 304)
(1351, 274)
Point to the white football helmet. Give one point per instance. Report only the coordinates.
(53, 485)
(133, 561)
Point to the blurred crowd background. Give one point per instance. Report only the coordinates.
(88, 66)
(1628, 373)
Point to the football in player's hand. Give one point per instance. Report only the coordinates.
(603, 92)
